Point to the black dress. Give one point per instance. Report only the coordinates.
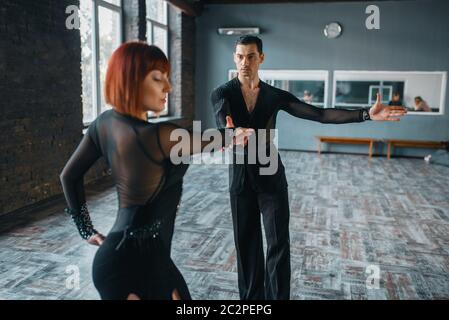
(135, 256)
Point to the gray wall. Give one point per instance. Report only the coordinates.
(413, 37)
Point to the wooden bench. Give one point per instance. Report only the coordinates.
(414, 144)
(345, 140)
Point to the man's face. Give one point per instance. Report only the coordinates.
(247, 60)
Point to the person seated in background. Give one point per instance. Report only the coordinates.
(421, 105)
(396, 100)
(308, 97)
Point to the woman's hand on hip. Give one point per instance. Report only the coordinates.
(96, 239)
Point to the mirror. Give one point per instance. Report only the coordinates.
(420, 92)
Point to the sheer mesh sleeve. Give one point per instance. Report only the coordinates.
(182, 142)
(72, 182)
(300, 109)
(221, 107)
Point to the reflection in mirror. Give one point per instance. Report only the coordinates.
(420, 92)
(358, 94)
(309, 91)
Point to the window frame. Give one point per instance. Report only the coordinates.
(96, 85)
(165, 27)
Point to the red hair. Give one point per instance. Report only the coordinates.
(127, 69)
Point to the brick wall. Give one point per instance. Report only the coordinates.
(40, 90)
(182, 58)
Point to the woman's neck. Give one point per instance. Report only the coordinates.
(144, 116)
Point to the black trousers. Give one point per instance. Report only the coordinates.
(258, 280)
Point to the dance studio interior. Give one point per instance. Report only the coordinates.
(365, 206)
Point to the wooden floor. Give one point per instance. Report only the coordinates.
(346, 215)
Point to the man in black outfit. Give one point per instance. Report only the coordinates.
(246, 101)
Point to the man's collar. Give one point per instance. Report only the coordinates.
(238, 83)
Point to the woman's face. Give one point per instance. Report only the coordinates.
(155, 90)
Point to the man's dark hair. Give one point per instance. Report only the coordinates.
(244, 40)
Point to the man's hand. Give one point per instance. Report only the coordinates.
(241, 134)
(96, 239)
(380, 112)
(229, 122)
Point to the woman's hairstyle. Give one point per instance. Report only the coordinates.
(418, 98)
(127, 69)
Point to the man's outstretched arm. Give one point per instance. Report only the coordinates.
(300, 109)
(377, 112)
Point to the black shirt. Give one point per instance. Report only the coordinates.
(228, 100)
(137, 152)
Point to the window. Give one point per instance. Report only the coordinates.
(357, 94)
(86, 60)
(355, 89)
(157, 31)
(101, 34)
(309, 91)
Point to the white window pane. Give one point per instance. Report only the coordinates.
(310, 91)
(160, 38)
(116, 2)
(87, 61)
(109, 33)
(149, 32)
(157, 10)
(353, 93)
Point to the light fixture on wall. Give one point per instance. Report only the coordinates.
(238, 31)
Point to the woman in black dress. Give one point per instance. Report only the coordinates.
(133, 261)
